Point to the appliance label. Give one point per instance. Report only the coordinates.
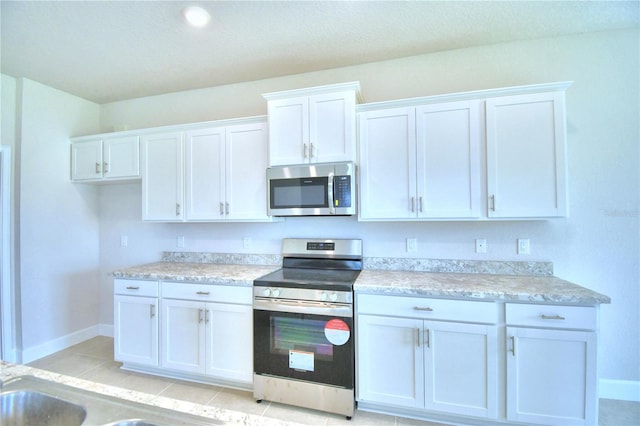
(337, 332)
(301, 360)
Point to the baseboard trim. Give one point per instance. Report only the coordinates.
(52, 346)
(625, 390)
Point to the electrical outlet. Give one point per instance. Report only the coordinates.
(124, 241)
(412, 245)
(180, 241)
(524, 246)
(246, 242)
(481, 245)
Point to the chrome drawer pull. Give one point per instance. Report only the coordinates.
(552, 317)
(203, 293)
(420, 308)
(133, 288)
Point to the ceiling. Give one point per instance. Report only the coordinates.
(107, 51)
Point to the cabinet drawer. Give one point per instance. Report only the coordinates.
(136, 287)
(428, 308)
(208, 292)
(551, 316)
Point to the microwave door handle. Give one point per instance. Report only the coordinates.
(330, 197)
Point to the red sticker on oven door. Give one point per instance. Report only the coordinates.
(337, 332)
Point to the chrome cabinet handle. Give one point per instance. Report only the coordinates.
(493, 202)
(221, 208)
(97, 168)
(427, 338)
(413, 204)
(417, 333)
(133, 287)
(226, 208)
(513, 345)
(311, 154)
(423, 308)
(305, 150)
(552, 317)
(200, 312)
(420, 203)
(203, 293)
(177, 209)
(105, 167)
(206, 316)
(152, 310)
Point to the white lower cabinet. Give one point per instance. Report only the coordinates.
(405, 360)
(193, 331)
(206, 331)
(136, 322)
(551, 371)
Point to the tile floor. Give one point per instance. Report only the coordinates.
(93, 360)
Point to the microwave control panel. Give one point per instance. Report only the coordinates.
(342, 191)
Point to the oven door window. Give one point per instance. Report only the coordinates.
(313, 348)
(299, 193)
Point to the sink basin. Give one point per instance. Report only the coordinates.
(35, 408)
(28, 400)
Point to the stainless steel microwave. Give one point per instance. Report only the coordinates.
(322, 189)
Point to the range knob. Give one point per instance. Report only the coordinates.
(266, 292)
(333, 296)
(276, 292)
(323, 296)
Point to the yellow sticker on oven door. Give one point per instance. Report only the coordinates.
(337, 332)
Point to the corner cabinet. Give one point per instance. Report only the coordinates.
(526, 155)
(206, 173)
(427, 354)
(420, 162)
(313, 125)
(105, 159)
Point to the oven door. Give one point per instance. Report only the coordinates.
(315, 346)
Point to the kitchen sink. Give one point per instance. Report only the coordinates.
(28, 400)
(35, 408)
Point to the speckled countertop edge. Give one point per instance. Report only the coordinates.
(230, 417)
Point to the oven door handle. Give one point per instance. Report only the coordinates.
(303, 307)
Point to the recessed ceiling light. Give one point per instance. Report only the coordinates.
(196, 16)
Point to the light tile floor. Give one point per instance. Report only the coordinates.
(93, 360)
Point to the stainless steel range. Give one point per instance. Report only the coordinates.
(303, 336)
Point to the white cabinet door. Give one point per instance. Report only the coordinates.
(390, 361)
(121, 157)
(448, 160)
(183, 335)
(245, 177)
(551, 376)
(162, 177)
(312, 129)
(388, 164)
(86, 160)
(205, 174)
(229, 341)
(526, 159)
(136, 329)
(332, 134)
(288, 131)
(461, 371)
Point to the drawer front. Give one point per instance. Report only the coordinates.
(551, 316)
(136, 287)
(428, 308)
(208, 292)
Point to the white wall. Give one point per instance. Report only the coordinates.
(59, 226)
(596, 247)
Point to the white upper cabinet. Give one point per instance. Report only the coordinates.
(314, 125)
(162, 177)
(420, 162)
(526, 158)
(105, 159)
(225, 173)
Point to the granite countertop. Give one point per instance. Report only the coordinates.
(517, 288)
(197, 272)
(230, 417)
